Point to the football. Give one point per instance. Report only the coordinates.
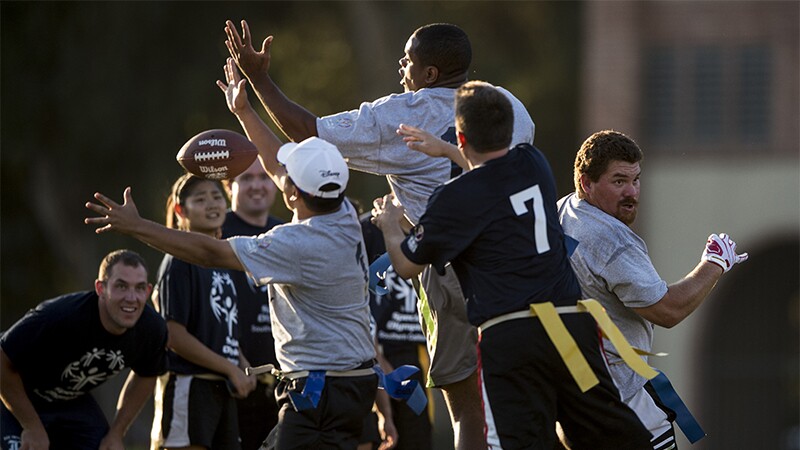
(217, 154)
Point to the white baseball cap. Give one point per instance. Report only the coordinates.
(314, 163)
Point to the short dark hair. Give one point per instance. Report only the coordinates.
(126, 257)
(598, 151)
(485, 116)
(319, 204)
(445, 46)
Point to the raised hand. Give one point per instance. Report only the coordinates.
(251, 62)
(721, 250)
(114, 217)
(234, 88)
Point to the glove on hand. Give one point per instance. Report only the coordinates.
(721, 250)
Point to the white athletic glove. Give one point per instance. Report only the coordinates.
(721, 250)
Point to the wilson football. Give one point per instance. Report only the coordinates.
(217, 154)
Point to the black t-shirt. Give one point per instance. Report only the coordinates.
(62, 351)
(204, 301)
(235, 226)
(255, 330)
(498, 226)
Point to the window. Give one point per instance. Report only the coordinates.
(708, 97)
(660, 84)
(754, 90)
(707, 101)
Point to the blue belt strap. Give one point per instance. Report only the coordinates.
(685, 420)
(399, 387)
(377, 272)
(312, 391)
(396, 384)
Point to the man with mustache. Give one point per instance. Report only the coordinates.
(613, 266)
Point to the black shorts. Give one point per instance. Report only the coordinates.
(527, 387)
(335, 423)
(77, 424)
(194, 411)
(258, 415)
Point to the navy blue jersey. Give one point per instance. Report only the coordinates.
(62, 350)
(205, 302)
(498, 226)
(255, 330)
(235, 226)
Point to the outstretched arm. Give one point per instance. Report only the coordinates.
(296, 122)
(134, 395)
(12, 392)
(684, 296)
(424, 142)
(193, 248)
(257, 131)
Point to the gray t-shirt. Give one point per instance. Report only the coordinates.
(367, 139)
(316, 270)
(613, 267)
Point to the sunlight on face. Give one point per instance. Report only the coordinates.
(252, 191)
(411, 71)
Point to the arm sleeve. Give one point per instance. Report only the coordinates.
(367, 136)
(21, 341)
(269, 257)
(175, 290)
(444, 231)
(631, 276)
(357, 135)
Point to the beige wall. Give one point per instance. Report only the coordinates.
(681, 205)
(751, 192)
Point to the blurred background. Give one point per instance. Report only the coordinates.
(97, 96)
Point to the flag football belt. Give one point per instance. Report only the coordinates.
(566, 346)
(216, 377)
(270, 369)
(579, 367)
(210, 377)
(396, 383)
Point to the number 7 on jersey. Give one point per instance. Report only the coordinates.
(519, 200)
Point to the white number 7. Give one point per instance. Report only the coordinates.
(539, 221)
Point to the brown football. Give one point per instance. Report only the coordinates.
(217, 154)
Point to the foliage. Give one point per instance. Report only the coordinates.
(97, 96)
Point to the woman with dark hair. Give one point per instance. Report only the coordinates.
(200, 307)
